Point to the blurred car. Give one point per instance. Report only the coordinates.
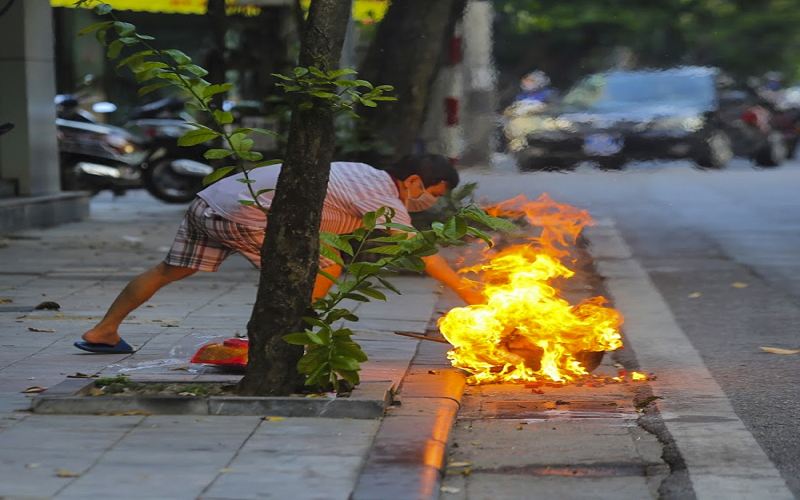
(615, 117)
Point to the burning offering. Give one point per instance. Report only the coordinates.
(526, 331)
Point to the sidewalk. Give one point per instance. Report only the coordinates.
(82, 266)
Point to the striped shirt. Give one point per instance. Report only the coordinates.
(353, 190)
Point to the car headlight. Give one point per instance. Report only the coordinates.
(679, 123)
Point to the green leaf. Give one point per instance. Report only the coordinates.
(369, 103)
(149, 88)
(355, 296)
(455, 228)
(199, 136)
(350, 349)
(385, 250)
(103, 9)
(268, 163)
(323, 95)
(328, 275)
(194, 69)
(371, 292)
(322, 373)
(344, 363)
(257, 130)
(298, 72)
(214, 154)
(247, 203)
(350, 376)
(223, 117)
(315, 338)
(388, 285)
(250, 155)
(95, 27)
(401, 227)
(369, 220)
(310, 362)
(336, 241)
(217, 175)
(297, 338)
(341, 72)
(115, 48)
(364, 83)
(124, 29)
(305, 106)
(331, 254)
(216, 89)
(178, 56)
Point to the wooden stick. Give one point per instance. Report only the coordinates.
(421, 337)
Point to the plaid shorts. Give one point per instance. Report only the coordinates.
(205, 239)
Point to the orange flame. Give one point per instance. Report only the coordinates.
(525, 331)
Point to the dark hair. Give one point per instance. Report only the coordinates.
(431, 168)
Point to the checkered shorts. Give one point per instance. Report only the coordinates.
(204, 239)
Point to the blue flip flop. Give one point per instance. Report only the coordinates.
(121, 348)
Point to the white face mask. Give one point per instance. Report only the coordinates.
(422, 202)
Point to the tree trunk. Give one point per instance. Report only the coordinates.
(407, 53)
(289, 259)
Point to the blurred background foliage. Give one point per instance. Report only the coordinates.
(570, 39)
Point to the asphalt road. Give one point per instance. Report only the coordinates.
(723, 249)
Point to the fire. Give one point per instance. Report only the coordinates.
(526, 331)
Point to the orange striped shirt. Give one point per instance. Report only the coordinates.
(353, 190)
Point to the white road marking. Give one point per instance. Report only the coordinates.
(723, 458)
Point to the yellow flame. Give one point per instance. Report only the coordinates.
(525, 331)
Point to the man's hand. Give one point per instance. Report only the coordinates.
(471, 294)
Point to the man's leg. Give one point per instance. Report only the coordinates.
(135, 293)
(323, 284)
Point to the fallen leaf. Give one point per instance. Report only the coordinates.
(226, 469)
(179, 368)
(48, 306)
(6, 301)
(273, 419)
(775, 350)
(83, 375)
(31, 466)
(739, 285)
(450, 489)
(35, 388)
(44, 330)
(459, 464)
(66, 473)
(694, 295)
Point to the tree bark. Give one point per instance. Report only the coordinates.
(407, 53)
(289, 258)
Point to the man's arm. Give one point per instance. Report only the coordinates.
(436, 266)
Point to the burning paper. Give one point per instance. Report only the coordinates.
(526, 331)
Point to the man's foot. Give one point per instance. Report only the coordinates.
(121, 347)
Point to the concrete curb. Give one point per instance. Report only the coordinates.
(408, 454)
(368, 401)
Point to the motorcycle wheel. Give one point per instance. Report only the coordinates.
(773, 153)
(160, 180)
(718, 151)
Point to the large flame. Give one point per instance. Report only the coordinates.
(525, 331)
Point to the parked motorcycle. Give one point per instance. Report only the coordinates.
(142, 153)
(171, 173)
(95, 156)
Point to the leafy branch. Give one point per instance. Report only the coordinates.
(330, 351)
(155, 69)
